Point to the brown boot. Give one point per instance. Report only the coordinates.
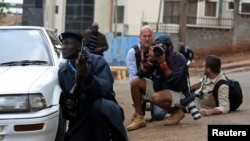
(133, 117)
(176, 116)
(138, 121)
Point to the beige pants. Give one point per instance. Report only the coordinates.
(176, 96)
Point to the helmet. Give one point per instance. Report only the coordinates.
(164, 38)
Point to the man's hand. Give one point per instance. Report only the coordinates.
(145, 65)
(99, 50)
(70, 105)
(152, 58)
(195, 86)
(81, 66)
(208, 112)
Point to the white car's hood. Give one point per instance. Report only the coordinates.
(20, 79)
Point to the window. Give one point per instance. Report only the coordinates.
(74, 2)
(56, 43)
(230, 5)
(74, 10)
(39, 4)
(56, 9)
(117, 34)
(88, 1)
(245, 8)
(53, 38)
(88, 10)
(120, 14)
(210, 8)
(79, 15)
(171, 12)
(192, 12)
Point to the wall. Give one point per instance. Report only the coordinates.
(205, 38)
(198, 38)
(103, 14)
(135, 12)
(119, 46)
(242, 30)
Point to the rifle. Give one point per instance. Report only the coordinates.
(82, 57)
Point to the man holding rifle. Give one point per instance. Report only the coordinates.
(88, 100)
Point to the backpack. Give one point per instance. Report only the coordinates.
(157, 113)
(235, 92)
(137, 55)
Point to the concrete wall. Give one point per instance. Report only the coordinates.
(242, 30)
(208, 37)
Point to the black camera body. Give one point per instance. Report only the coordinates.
(158, 49)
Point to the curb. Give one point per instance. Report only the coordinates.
(227, 68)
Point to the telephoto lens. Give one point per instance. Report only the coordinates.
(191, 107)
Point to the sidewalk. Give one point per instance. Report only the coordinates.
(188, 129)
(227, 68)
(237, 66)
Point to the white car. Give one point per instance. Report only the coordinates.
(29, 89)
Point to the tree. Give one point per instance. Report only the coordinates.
(3, 6)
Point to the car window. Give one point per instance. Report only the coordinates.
(22, 44)
(55, 41)
(54, 38)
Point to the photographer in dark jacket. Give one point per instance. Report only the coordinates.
(167, 84)
(187, 52)
(88, 100)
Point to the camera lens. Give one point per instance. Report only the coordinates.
(191, 107)
(158, 51)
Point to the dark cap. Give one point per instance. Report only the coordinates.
(76, 36)
(164, 38)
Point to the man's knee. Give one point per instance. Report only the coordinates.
(138, 82)
(156, 99)
(95, 109)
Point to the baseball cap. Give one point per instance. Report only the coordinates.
(164, 38)
(76, 36)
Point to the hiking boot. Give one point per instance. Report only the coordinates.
(133, 117)
(138, 121)
(176, 116)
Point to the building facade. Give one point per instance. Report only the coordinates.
(61, 15)
(197, 23)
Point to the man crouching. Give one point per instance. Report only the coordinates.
(165, 86)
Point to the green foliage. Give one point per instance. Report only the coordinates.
(3, 6)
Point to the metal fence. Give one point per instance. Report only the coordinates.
(195, 22)
(210, 22)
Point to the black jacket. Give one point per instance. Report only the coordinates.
(98, 86)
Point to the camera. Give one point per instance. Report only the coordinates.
(158, 49)
(199, 94)
(190, 106)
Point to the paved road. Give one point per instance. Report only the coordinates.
(188, 129)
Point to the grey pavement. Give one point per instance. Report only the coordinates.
(227, 68)
(188, 129)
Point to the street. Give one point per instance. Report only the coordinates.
(188, 129)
